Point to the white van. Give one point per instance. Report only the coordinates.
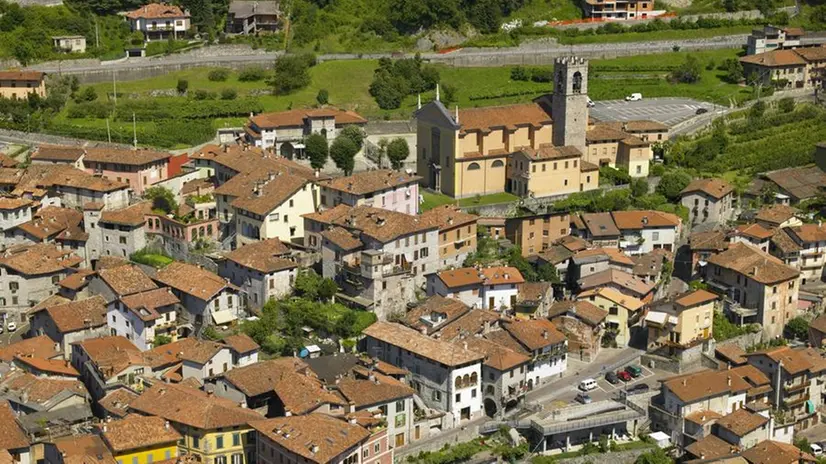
(588, 385)
(816, 449)
(590, 103)
(634, 97)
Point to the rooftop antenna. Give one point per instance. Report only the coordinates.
(437, 92)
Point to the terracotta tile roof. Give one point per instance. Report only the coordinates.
(783, 243)
(303, 393)
(754, 376)
(534, 291)
(794, 361)
(51, 221)
(419, 318)
(640, 125)
(696, 298)
(448, 217)
(11, 176)
(12, 203)
(265, 198)
(21, 75)
(12, 436)
(78, 315)
(499, 275)
(776, 214)
(732, 353)
(613, 255)
(127, 280)
(710, 447)
(251, 160)
(535, 334)
(40, 390)
(474, 322)
(604, 132)
(775, 452)
(51, 366)
(549, 152)
(690, 388)
(58, 153)
(38, 259)
(47, 176)
(241, 343)
(157, 11)
(145, 304)
(7, 161)
(259, 378)
(193, 186)
(364, 182)
(497, 356)
(192, 280)
(379, 224)
(812, 53)
(755, 231)
(741, 422)
(84, 449)
(618, 278)
(555, 254)
(703, 417)
(819, 324)
(636, 220)
(628, 302)
(411, 340)
(188, 349)
(77, 280)
(651, 264)
(814, 357)
(125, 156)
(714, 187)
(505, 339)
(116, 402)
(585, 166)
(138, 431)
(264, 256)
(600, 225)
(510, 117)
(343, 238)
(192, 407)
(809, 233)
(754, 264)
(794, 31)
(584, 310)
(775, 58)
(39, 347)
(317, 438)
(134, 215)
(708, 241)
(112, 354)
(573, 243)
(110, 262)
(296, 118)
(364, 392)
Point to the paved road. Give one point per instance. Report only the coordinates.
(669, 111)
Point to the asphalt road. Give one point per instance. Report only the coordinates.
(670, 111)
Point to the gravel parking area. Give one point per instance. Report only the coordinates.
(670, 111)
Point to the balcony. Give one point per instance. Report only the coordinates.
(791, 389)
(793, 403)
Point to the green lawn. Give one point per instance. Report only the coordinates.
(432, 200)
(669, 34)
(491, 199)
(547, 10)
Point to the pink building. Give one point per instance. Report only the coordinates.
(321, 439)
(139, 168)
(187, 231)
(386, 189)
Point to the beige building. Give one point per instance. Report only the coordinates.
(534, 234)
(801, 68)
(457, 233)
(550, 170)
(623, 312)
(19, 84)
(70, 43)
(758, 287)
(708, 200)
(682, 323)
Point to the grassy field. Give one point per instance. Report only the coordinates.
(348, 82)
(432, 200)
(669, 34)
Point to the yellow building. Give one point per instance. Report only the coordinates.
(19, 84)
(623, 311)
(683, 323)
(550, 170)
(216, 430)
(141, 439)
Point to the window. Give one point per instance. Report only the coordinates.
(458, 397)
(473, 167)
(473, 393)
(220, 460)
(14, 286)
(236, 439)
(655, 236)
(122, 240)
(377, 448)
(219, 442)
(437, 395)
(399, 406)
(149, 459)
(238, 458)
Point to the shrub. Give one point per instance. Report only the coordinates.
(252, 74)
(323, 97)
(520, 73)
(182, 86)
(292, 72)
(229, 94)
(218, 75)
(201, 94)
(393, 80)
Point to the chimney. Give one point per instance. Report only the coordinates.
(545, 334)
(464, 345)
(684, 382)
(728, 380)
(754, 270)
(166, 425)
(105, 428)
(314, 448)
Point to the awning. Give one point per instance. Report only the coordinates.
(223, 317)
(810, 407)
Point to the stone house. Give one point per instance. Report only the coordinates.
(116, 232)
(778, 216)
(620, 281)
(457, 233)
(207, 299)
(192, 358)
(244, 349)
(709, 201)
(284, 132)
(116, 282)
(493, 288)
(14, 211)
(811, 242)
(623, 311)
(645, 231)
(109, 363)
(262, 270)
(744, 429)
(383, 188)
(70, 43)
(597, 228)
(534, 300)
(583, 324)
(702, 246)
(73, 186)
(536, 233)
(548, 171)
(757, 287)
(70, 322)
(754, 234)
(252, 17)
(28, 394)
(139, 169)
(58, 154)
(16, 443)
(587, 262)
(141, 317)
(504, 375)
(539, 339)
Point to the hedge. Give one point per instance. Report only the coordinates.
(164, 133)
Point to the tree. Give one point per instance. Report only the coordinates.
(757, 110)
(182, 86)
(547, 273)
(161, 340)
(689, 72)
(798, 328)
(786, 104)
(292, 72)
(733, 69)
(312, 286)
(354, 133)
(449, 92)
(383, 142)
(397, 152)
(162, 199)
(656, 456)
(316, 149)
(672, 183)
(639, 187)
(323, 97)
(816, 16)
(343, 152)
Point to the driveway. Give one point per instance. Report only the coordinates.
(669, 111)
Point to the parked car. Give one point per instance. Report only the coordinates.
(635, 371)
(588, 385)
(701, 111)
(639, 388)
(11, 326)
(634, 97)
(611, 378)
(624, 376)
(591, 103)
(816, 449)
(583, 398)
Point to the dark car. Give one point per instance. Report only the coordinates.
(624, 376)
(639, 388)
(611, 378)
(701, 111)
(634, 371)
(584, 398)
